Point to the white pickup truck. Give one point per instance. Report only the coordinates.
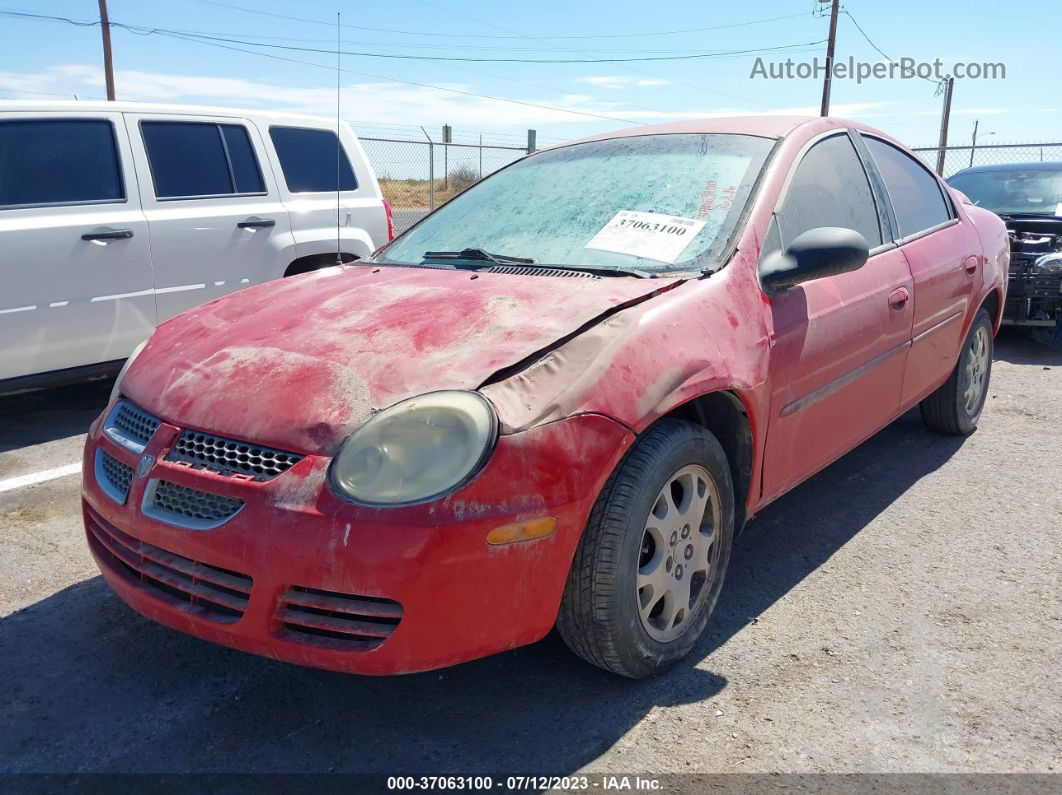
(115, 216)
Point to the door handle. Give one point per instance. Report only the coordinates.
(970, 264)
(116, 234)
(252, 223)
(898, 298)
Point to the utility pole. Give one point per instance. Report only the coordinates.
(973, 142)
(108, 65)
(830, 46)
(942, 148)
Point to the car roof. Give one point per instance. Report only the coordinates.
(765, 126)
(1035, 166)
(125, 106)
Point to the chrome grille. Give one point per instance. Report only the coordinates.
(113, 476)
(134, 423)
(230, 457)
(340, 620)
(220, 594)
(187, 507)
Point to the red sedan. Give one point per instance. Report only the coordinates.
(552, 402)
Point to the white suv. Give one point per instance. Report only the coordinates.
(115, 216)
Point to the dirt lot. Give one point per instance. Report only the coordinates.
(901, 611)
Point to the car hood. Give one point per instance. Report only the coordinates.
(299, 363)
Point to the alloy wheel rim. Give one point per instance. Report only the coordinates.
(975, 374)
(679, 557)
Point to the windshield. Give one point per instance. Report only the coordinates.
(651, 203)
(1037, 191)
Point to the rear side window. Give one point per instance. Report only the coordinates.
(194, 159)
(309, 160)
(61, 161)
(830, 188)
(916, 196)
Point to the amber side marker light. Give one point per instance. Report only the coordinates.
(522, 531)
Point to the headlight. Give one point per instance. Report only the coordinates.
(418, 449)
(125, 367)
(1049, 265)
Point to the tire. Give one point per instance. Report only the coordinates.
(615, 611)
(956, 406)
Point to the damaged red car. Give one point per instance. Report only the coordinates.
(553, 402)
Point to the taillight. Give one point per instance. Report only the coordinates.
(390, 221)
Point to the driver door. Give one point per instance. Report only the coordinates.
(839, 344)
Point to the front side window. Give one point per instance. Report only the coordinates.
(199, 159)
(60, 161)
(830, 188)
(1031, 191)
(655, 203)
(312, 160)
(916, 196)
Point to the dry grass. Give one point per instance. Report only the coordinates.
(412, 194)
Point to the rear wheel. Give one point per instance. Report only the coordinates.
(650, 565)
(956, 406)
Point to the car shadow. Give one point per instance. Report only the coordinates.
(30, 418)
(93, 687)
(799, 532)
(1017, 346)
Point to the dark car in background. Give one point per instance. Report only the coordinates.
(1028, 197)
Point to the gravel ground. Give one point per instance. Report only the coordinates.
(901, 611)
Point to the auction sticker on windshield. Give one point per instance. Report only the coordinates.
(650, 235)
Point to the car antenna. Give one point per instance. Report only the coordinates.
(339, 27)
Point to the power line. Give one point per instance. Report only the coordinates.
(630, 69)
(881, 52)
(271, 56)
(380, 44)
(514, 36)
(463, 59)
(414, 83)
(228, 44)
(406, 57)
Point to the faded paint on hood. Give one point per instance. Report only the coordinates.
(301, 362)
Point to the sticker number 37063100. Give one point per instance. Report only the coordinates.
(651, 235)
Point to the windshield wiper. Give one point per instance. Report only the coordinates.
(478, 254)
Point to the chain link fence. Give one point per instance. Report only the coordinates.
(417, 173)
(955, 158)
(416, 176)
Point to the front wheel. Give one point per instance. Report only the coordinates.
(650, 565)
(956, 406)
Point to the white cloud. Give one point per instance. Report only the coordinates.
(622, 81)
(377, 103)
(382, 102)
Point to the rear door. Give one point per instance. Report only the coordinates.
(216, 219)
(946, 261)
(839, 344)
(310, 159)
(75, 263)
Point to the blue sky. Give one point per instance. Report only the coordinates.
(41, 59)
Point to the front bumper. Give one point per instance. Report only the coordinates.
(419, 585)
(1034, 298)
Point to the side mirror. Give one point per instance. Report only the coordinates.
(817, 253)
